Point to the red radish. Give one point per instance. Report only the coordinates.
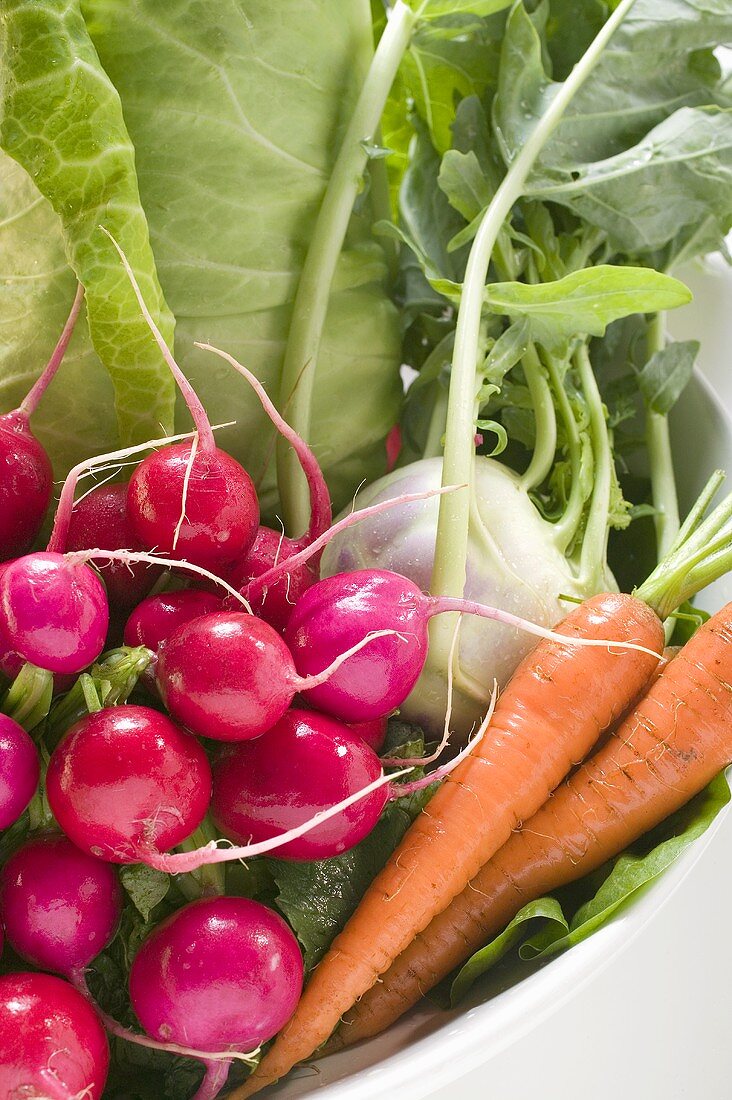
(20, 770)
(193, 500)
(230, 676)
(26, 478)
(339, 609)
(373, 732)
(53, 1045)
(125, 782)
(274, 604)
(60, 906)
(99, 519)
(54, 612)
(156, 618)
(306, 763)
(220, 974)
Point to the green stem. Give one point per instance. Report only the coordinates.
(208, 880)
(658, 441)
(566, 528)
(381, 208)
(594, 541)
(313, 291)
(433, 445)
(448, 576)
(28, 699)
(545, 418)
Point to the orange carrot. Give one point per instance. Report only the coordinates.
(559, 701)
(676, 739)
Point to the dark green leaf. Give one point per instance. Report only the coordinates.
(667, 374)
(145, 887)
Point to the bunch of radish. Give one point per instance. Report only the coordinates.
(290, 681)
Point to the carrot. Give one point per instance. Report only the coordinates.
(559, 701)
(676, 739)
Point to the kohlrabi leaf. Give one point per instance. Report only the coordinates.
(434, 9)
(666, 375)
(61, 119)
(679, 174)
(427, 218)
(593, 901)
(586, 301)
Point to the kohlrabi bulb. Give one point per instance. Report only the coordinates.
(513, 563)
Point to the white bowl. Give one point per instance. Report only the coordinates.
(430, 1049)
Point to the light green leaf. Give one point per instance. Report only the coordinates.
(145, 887)
(434, 9)
(546, 909)
(61, 119)
(586, 301)
(667, 374)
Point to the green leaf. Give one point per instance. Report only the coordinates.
(546, 909)
(586, 301)
(666, 375)
(61, 119)
(145, 887)
(679, 175)
(435, 9)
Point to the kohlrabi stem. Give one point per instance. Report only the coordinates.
(438, 419)
(594, 541)
(545, 419)
(381, 207)
(320, 513)
(448, 577)
(580, 464)
(33, 397)
(658, 441)
(313, 292)
(192, 400)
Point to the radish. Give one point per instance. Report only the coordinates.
(100, 519)
(373, 732)
(306, 763)
(19, 773)
(230, 676)
(125, 782)
(156, 618)
(59, 905)
(26, 478)
(274, 604)
(220, 974)
(54, 612)
(191, 499)
(53, 1045)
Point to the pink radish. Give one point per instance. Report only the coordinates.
(126, 782)
(20, 770)
(156, 618)
(305, 764)
(230, 676)
(54, 612)
(60, 906)
(375, 682)
(373, 732)
(192, 500)
(220, 974)
(274, 604)
(100, 519)
(53, 1045)
(26, 479)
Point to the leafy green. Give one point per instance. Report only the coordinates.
(145, 887)
(666, 375)
(610, 889)
(585, 301)
(61, 119)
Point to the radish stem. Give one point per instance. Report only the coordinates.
(34, 395)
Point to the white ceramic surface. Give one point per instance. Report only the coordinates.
(450, 1053)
